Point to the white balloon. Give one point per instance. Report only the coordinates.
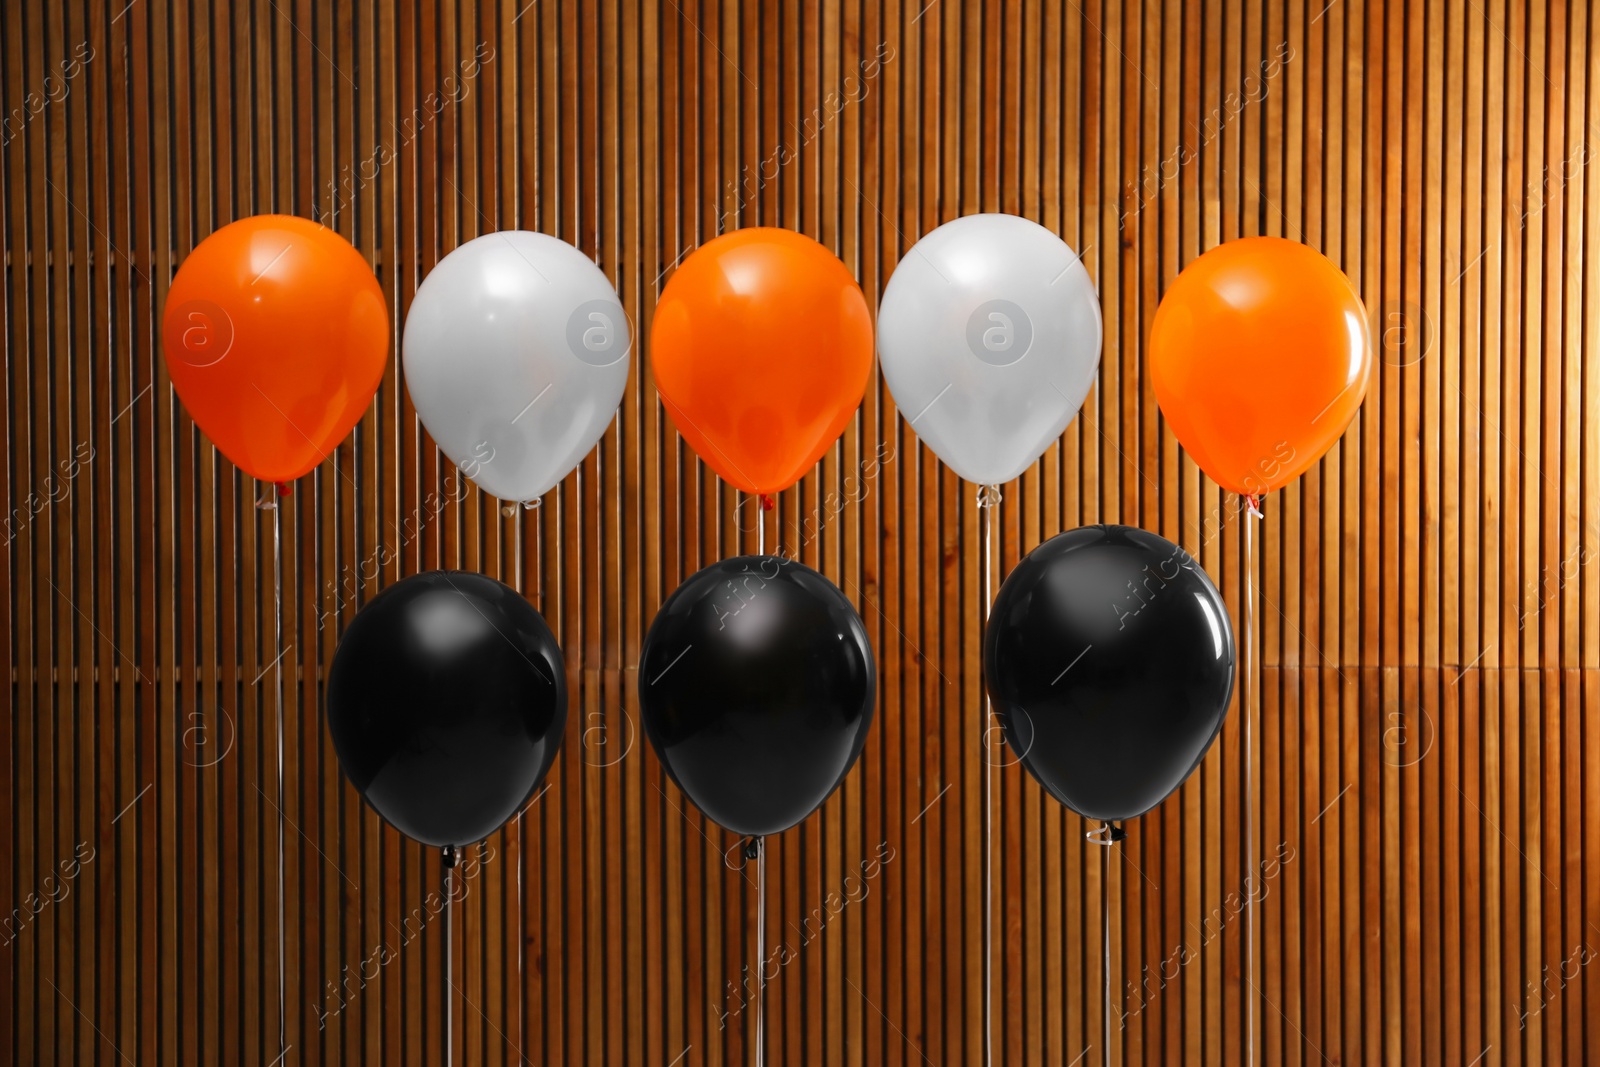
(516, 356)
(989, 336)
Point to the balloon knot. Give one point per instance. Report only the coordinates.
(1108, 834)
(529, 505)
(270, 501)
(767, 503)
(450, 856)
(1253, 502)
(988, 496)
(752, 848)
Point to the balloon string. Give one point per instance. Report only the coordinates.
(988, 499)
(514, 831)
(1108, 834)
(538, 565)
(758, 847)
(277, 683)
(1105, 949)
(1250, 684)
(449, 960)
(761, 528)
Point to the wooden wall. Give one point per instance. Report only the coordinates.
(1429, 596)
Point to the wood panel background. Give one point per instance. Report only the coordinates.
(1429, 595)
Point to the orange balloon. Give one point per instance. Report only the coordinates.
(762, 349)
(1259, 358)
(276, 335)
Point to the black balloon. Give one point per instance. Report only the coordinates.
(1110, 660)
(757, 686)
(446, 702)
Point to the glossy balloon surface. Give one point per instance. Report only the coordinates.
(446, 703)
(276, 337)
(757, 684)
(989, 334)
(1110, 659)
(761, 347)
(516, 356)
(1259, 358)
